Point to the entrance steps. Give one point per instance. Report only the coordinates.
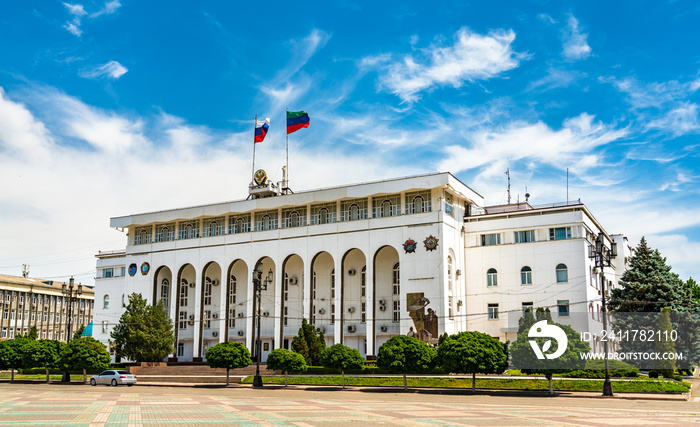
(195, 373)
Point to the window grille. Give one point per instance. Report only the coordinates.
(189, 230)
(384, 206)
(214, 227)
(396, 315)
(238, 224)
(323, 214)
(418, 202)
(266, 220)
(143, 235)
(294, 217)
(353, 210)
(165, 232)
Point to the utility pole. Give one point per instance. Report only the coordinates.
(71, 296)
(508, 175)
(603, 256)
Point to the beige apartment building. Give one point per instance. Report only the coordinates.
(26, 302)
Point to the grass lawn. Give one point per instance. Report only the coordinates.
(52, 377)
(636, 385)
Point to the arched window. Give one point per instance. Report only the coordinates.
(323, 216)
(189, 233)
(417, 204)
(144, 236)
(363, 282)
(165, 292)
(562, 273)
(240, 225)
(449, 273)
(165, 234)
(354, 212)
(105, 301)
(492, 277)
(266, 222)
(294, 219)
(386, 208)
(232, 290)
(396, 279)
(526, 276)
(214, 228)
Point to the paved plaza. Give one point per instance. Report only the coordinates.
(82, 405)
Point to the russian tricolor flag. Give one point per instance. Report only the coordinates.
(296, 120)
(261, 129)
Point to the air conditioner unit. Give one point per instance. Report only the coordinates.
(382, 308)
(458, 272)
(293, 280)
(382, 302)
(241, 315)
(321, 329)
(322, 311)
(215, 334)
(192, 285)
(266, 313)
(383, 328)
(240, 333)
(215, 315)
(351, 272)
(215, 282)
(351, 309)
(352, 328)
(191, 322)
(191, 316)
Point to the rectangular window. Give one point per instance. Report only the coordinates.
(332, 313)
(363, 312)
(183, 293)
(286, 313)
(105, 326)
(563, 307)
(397, 312)
(207, 319)
(6, 314)
(188, 230)
(4, 333)
(231, 317)
(525, 236)
(207, 292)
(214, 227)
(526, 306)
(450, 309)
(561, 233)
(490, 239)
(108, 272)
(493, 311)
(182, 324)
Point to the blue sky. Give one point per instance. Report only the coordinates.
(118, 107)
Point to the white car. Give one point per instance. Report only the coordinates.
(114, 377)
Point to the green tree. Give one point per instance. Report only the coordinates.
(12, 355)
(646, 288)
(85, 353)
(144, 333)
(472, 353)
(524, 357)
(341, 357)
(664, 344)
(310, 343)
(228, 355)
(403, 354)
(78, 332)
(42, 354)
(286, 361)
(694, 288)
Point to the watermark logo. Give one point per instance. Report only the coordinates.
(542, 330)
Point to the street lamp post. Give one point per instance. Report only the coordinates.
(71, 295)
(260, 285)
(603, 256)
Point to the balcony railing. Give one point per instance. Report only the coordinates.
(518, 207)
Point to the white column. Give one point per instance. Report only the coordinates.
(221, 309)
(196, 336)
(277, 309)
(339, 306)
(369, 292)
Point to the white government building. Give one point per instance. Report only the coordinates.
(364, 262)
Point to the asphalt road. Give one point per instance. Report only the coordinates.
(55, 404)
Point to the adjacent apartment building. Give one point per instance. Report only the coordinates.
(419, 255)
(44, 304)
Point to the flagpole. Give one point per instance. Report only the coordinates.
(286, 184)
(252, 175)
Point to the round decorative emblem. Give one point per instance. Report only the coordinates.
(133, 269)
(431, 242)
(260, 177)
(145, 267)
(410, 246)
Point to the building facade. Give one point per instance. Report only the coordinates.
(362, 262)
(27, 303)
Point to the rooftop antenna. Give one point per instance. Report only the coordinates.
(567, 186)
(527, 195)
(508, 175)
(25, 270)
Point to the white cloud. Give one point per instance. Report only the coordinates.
(546, 18)
(20, 133)
(681, 252)
(679, 121)
(75, 9)
(556, 78)
(78, 12)
(494, 149)
(472, 57)
(109, 8)
(112, 69)
(575, 43)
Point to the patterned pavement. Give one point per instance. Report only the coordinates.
(82, 405)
